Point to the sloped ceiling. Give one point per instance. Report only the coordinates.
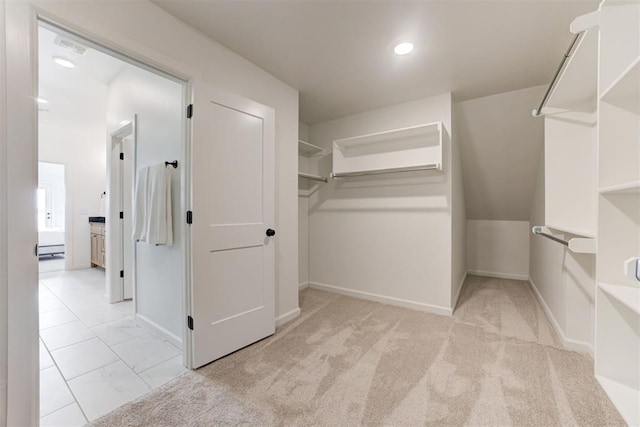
(501, 144)
(338, 54)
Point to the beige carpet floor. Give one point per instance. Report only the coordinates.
(347, 361)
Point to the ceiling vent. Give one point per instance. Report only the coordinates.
(70, 44)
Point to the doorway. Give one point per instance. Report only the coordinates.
(121, 171)
(103, 340)
(51, 217)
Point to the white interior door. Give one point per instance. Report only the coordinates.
(232, 282)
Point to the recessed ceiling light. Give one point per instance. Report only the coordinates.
(403, 48)
(63, 62)
(42, 101)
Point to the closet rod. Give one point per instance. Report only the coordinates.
(384, 171)
(313, 177)
(538, 112)
(538, 231)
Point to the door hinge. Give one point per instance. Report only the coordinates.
(121, 156)
(122, 273)
(190, 322)
(189, 111)
(121, 215)
(189, 217)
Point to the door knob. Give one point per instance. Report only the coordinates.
(271, 232)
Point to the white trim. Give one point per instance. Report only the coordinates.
(414, 305)
(173, 339)
(498, 275)
(302, 286)
(454, 302)
(284, 318)
(114, 242)
(568, 343)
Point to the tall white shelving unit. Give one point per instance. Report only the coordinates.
(617, 332)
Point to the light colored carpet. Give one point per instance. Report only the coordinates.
(347, 361)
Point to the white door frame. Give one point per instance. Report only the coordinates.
(113, 231)
(19, 157)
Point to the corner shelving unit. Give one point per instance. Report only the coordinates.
(398, 150)
(308, 183)
(617, 332)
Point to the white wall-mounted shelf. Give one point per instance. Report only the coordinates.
(307, 149)
(583, 233)
(412, 148)
(628, 188)
(581, 245)
(626, 399)
(311, 177)
(624, 92)
(309, 183)
(627, 295)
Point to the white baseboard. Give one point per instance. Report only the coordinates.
(498, 275)
(281, 320)
(454, 302)
(384, 299)
(173, 339)
(568, 343)
(302, 286)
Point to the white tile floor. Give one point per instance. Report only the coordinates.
(93, 356)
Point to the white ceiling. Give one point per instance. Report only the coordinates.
(67, 89)
(338, 54)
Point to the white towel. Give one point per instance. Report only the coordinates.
(152, 219)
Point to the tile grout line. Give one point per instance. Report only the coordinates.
(56, 363)
(66, 383)
(66, 406)
(120, 359)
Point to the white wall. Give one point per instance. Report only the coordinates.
(387, 237)
(303, 215)
(76, 137)
(564, 281)
(458, 221)
(142, 30)
(3, 225)
(158, 103)
(498, 248)
(501, 143)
